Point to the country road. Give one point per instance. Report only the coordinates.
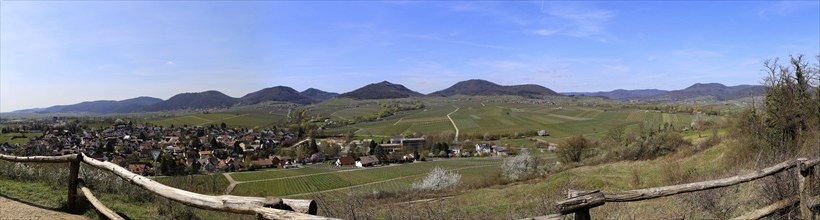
(454, 123)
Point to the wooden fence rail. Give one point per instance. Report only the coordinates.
(265, 208)
(580, 202)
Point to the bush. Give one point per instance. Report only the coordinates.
(575, 149)
(438, 179)
(519, 167)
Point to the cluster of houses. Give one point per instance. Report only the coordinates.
(143, 149)
(139, 147)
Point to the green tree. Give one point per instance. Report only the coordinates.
(238, 149)
(313, 147)
(372, 149)
(380, 153)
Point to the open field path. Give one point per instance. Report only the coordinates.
(13, 209)
(397, 122)
(454, 122)
(381, 181)
(343, 118)
(300, 142)
(231, 185)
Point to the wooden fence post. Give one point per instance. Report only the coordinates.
(74, 172)
(806, 183)
(579, 202)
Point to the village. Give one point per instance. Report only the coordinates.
(156, 150)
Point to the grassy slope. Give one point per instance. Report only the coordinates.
(529, 197)
(327, 180)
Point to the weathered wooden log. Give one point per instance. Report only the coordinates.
(580, 202)
(300, 205)
(271, 213)
(812, 163)
(108, 213)
(651, 193)
(40, 159)
(769, 209)
(225, 203)
(806, 184)
(73, 173)
(545, 217)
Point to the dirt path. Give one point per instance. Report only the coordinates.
(454, 122)
(11, 209)
(231, 185)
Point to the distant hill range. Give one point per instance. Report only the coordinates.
(387, 90)
(382, 90)
(716, 91)
(102, 106)
(195, 100)
(622, 94)
(277, 93)
(319, 95)
(478, 87)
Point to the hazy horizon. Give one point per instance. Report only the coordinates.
(57, 53)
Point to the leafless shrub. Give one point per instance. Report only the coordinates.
(54, 174)
(673, 174)
(712, 202)
(636, 179)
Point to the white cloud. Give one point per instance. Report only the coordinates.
(618, 68)
(693, 53)
(784, 8)
(170, 62)
(546, 32)
(582, 21)
(435, 37)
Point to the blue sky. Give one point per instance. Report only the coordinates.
(54, 52)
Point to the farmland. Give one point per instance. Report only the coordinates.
(478, 118)
(250, 120)
(17, 138)
(311, 180)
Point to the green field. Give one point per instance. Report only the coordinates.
(17, 138)
(250, 120)
(290, 182)
(477, 118)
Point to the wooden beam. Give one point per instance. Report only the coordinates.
(108, 213)
(300, 205)
(271, 213)
(768, 210)
(73, 172)
(651, 193)
(546, 217)
(812, 163)
(225, 203)
(40, 159)
(580, 203)
(806, 184)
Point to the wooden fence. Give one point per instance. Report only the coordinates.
(264, 208)
(580, 202)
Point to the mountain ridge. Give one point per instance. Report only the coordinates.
(381, 90)
(474, 87)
